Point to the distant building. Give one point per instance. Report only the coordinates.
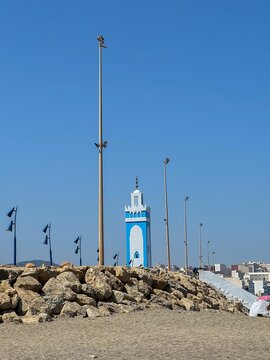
(138, 232)
(258, 287)
(248, 267)
(222, 269)
(257, 283)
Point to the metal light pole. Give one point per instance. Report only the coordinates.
(208, 259)
(13, 227)
(100, 146)
(213, 254)
(200, 245)
(79, 247)
(47, 231)
(166, 161)
(185, 235)
(116, 258)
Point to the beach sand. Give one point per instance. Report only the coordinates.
(149, 334)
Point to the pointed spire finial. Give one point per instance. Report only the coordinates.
(136, 183)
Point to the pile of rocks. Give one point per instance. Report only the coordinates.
(32, 294)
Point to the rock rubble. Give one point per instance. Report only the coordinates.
(31, 294)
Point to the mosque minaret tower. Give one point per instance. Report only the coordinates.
(138, 232)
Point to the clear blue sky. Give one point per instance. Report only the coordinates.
(183, 79)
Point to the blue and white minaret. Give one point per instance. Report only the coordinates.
(138, 232)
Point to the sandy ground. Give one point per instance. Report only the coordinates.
(150, 334)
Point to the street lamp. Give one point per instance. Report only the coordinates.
(200, 245)
(166, 161)
(78, 241)
(13, 227)
(47, 231)
(116, 258)
(208, 260)
(185, 235)
(100, 147)
(213, 254)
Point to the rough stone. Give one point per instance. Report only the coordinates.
(28, 283)
(114, 282)
(122, 274)
(5, 302)
(11, 292)
(134, 292)
(189, 304)
(89, 291)
(11, 317)
(155, 299)
(55, 287)
(111, 307)
(30, 272)
(30, 265)
(30, 302)
(71, 309)
(5, 285)
(83, 299)
(54, 304)
(45, 273)
(34, 319)
(69, 280)
(93, 312)
(99, 281)
(159, 283)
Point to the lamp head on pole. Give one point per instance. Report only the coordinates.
(45, 242)
(186, 198)
(100, 39)
(201, 225)
(10, 226)
(9, 214)
(166, 161)
(77, 240)
(46, 228)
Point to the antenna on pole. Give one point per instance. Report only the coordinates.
(136, 183)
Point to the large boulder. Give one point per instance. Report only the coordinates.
(54, 304)
(71, 309)
(159, 301)
(30, 302)
(99, 281)
(159, 282)
(30, 271)
(5, 302)
(119, 297)
(11, 317)
(93, 312)
(35, 319)
(54, 287)
(10, 274)
(134, 292)
(45, 273)
(112, 308)
(69, 280)
(189, 304)
(28, 283)
(122, 274)
(89, 291)
(68, 266)
(114, 282)
(83, 299)
(5, 285)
